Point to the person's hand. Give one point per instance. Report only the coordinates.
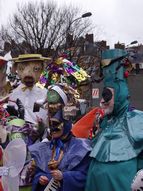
(32, 167)
(21, 110)
(57, 174)
(43, 180)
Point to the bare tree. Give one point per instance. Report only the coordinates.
(43, 27)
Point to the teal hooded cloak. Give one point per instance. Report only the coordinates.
(116, 148)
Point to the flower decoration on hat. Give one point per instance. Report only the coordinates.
(116, 65)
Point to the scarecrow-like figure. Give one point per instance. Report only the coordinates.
(29, 68)
(120, 140)
(4, 85)
(5, 89)
(62, 160)
(21, 104)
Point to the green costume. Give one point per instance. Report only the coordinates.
(117, 146)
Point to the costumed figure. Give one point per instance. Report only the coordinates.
(29, 68)
(62, 71)
(23, 122)
(5, 87)
(61, 160)
(119, 142)
(12, 129)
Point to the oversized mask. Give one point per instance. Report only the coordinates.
(29, 72)
(29, 68)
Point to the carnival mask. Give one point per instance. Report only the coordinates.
(29, 72)
(54, 101)
(56, 128)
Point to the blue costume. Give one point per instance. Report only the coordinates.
(115, 155)
(74, 164)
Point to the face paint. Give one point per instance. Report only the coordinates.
(53, 97)
(29, 72)
(107, 101)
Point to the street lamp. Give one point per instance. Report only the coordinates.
(133, 42)
(88, 14)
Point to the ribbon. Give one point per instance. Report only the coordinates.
(58, 144)
(26, 88)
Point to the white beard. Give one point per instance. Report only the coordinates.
(107, 110)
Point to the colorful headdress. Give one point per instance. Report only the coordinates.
(116, 66)
(63, 71)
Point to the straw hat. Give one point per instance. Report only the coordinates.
(30, 57)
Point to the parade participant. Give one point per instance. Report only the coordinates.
(29, 68)
(120, 140)
(4, 85)
(62, 161)
(5, 89)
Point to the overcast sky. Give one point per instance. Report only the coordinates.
(116, 20)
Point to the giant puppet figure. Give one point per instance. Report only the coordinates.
(119, 142)
(26, 123)
(62, 161)
(29, 68)
(12, 155)
(5, 89)
(4, 85)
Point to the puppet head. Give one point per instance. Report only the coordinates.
(29, 68)
(115, 94)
